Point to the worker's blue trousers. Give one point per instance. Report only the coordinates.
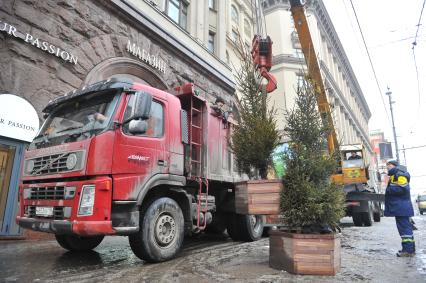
(405, 230)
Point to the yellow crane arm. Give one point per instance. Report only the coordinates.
(314, 73)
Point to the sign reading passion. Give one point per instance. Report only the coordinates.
(34, 41)
(18, 118)
(143, 55)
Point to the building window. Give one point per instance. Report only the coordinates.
(247, 28)
(234, 36)
(177, 10)
(300, 81)
(212, 4)
(234, 14)
(298, 53)
(210, 43)
(247, 46)
(228, 60)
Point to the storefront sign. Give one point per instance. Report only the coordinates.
(34, 41)
(143, 55)
(18, 118)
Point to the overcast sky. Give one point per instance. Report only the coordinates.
(389, 27)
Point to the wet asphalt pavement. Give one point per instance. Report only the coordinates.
(368, 255)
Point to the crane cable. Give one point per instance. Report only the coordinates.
(260, 18)
(371, 64)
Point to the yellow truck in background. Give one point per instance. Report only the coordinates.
(360, 183)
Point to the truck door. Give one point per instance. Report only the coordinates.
(138, 157)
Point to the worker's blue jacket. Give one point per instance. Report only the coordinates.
(397, 197)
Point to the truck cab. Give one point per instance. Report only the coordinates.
(354, 167)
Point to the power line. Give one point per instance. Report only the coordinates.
(418, 24)
(418, 92)
(371, 63)
(413, 147)
(415, 65)
(395, 41)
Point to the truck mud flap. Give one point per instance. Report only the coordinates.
(125, 217)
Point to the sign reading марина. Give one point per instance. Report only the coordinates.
(18, 118)
(34, 41)
(143, 55)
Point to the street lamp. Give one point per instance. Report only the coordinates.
(389, 93)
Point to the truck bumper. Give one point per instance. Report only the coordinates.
(65, 227)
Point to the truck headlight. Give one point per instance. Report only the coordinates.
(29, 167)
(87, 200)
(71, 161)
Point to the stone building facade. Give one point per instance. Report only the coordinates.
(349, 107)
(51, 47)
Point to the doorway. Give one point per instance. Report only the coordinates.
(10, 167)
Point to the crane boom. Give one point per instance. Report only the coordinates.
(314, 73)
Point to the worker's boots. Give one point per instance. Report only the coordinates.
(405, 254)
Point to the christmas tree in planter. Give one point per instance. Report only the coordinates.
(254, 140)
(311, 205)
(256, 136)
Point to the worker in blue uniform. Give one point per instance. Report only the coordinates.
(398, 204)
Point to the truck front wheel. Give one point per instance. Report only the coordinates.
(161, 231)
(246, 228)
(77, 243)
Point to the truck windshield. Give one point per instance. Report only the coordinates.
(78, 119)
(353, 163)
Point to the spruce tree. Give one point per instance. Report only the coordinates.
(309, 200)
(256, 136)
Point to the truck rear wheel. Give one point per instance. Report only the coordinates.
(78, 243)
(376, 216)
(161, 231)
(368, 216)
(357, 218)
(246, 228)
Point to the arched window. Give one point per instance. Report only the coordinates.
(234, 14)
(125, 67)
(247, 28)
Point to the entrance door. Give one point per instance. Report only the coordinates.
(10, 160)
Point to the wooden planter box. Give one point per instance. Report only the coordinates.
(258, 197)
(313, 254)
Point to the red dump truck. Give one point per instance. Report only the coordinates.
(123, 158)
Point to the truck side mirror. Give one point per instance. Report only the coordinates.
(142, 107)
(138, 127)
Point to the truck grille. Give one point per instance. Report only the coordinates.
(58, 212)
(50, 164)
(53, 193)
